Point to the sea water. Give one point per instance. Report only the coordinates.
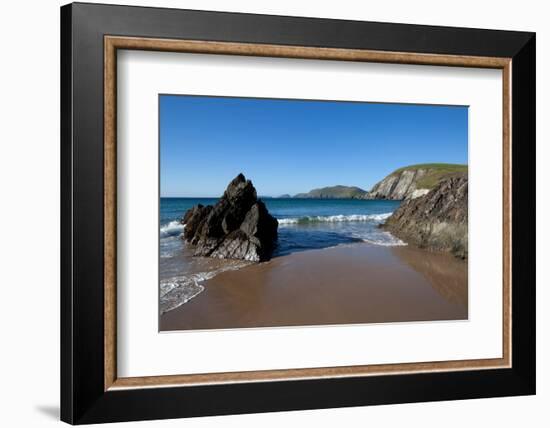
(304, 224)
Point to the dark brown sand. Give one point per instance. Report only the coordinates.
(351, 284)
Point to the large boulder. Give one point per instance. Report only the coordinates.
(238, 226)
(437, 220)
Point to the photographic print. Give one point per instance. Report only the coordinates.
(289, 212)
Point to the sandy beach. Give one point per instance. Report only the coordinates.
(347, 284)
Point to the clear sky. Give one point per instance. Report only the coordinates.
(293, 146)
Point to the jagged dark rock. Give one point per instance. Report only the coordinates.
(437, 220)
(238, 226)
(193, 219)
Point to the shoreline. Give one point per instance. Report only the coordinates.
(346, 284)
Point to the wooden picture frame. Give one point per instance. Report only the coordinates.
(91, 390)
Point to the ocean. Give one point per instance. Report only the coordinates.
(304, 224)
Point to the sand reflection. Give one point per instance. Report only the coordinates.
(447, 274)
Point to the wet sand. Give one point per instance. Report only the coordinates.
(350, 284)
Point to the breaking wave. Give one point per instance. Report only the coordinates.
(335, 218)
(174, 228)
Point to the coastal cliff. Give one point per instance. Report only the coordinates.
(334, 192)
(413, 181)
(238, 226)
(437, 220)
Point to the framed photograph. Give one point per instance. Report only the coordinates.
(265, 213)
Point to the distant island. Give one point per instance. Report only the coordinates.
(334, 192)
(404, 183)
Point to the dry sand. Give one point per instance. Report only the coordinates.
(358, 283)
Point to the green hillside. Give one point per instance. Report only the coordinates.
(435, 172)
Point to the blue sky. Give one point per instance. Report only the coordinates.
(292, 146)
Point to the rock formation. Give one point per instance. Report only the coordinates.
(436, 221)
(413, 181)
(238, 226)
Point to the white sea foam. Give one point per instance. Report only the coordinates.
(180, 291)
(166, 255)
(334, 218)
(387, 241)
(174, 228)
(176, 291)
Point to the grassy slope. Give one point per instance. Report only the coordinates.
(437, 171)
